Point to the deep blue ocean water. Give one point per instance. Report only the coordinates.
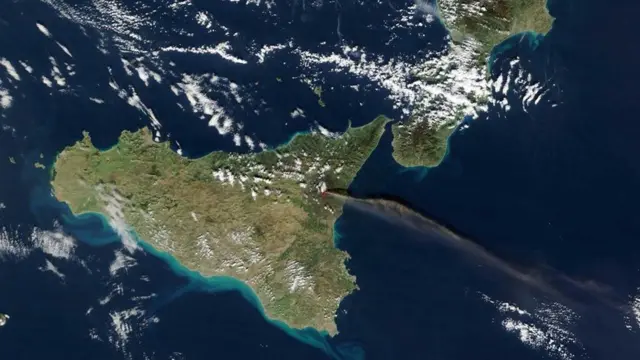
(554, 187)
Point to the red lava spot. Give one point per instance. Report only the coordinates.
(324, 194)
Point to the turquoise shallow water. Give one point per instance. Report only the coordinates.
(93, 229)
(555, 186)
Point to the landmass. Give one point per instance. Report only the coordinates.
(459, 79)
(256, 217)
(318, 91)
(490, 22)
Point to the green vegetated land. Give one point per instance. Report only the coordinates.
(489, 22)
(492, 21)
(256, 217)
(421, 144)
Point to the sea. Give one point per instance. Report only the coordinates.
(551, 189)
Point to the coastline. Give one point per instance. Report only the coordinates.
(309, 335)
(197, 282)
(516, 181)
(534, 39)
(220, 283)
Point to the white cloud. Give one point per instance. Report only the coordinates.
(121, 262)
(11, 247)
(222, 50)
(546, 327)
(65, 49)
(5, 99)
(54, 243)
(43, 29)
(52, 269)
(10, 69)
(196, 94)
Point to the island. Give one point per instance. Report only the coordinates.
(257, 217)
(458, 80)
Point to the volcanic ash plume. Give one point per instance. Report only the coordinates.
(548, 281)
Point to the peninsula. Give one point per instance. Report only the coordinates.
(490, 22)
(257, 217)
(458, 80)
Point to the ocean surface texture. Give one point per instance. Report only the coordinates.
(550, 188)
